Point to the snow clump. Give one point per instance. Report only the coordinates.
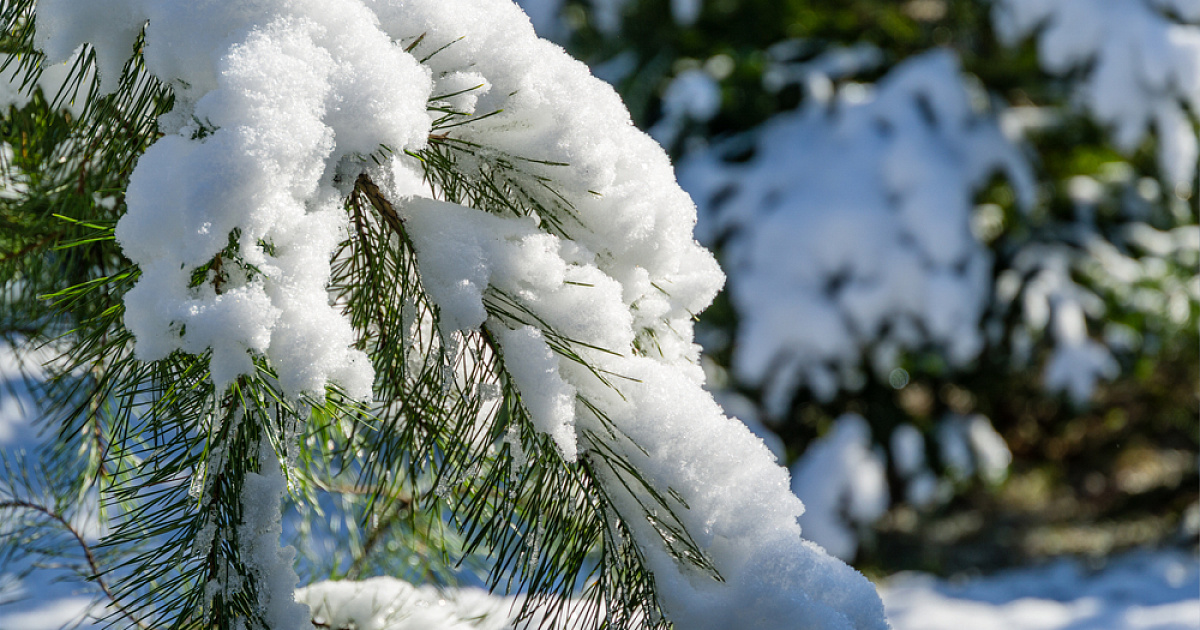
(620, 292)
(269, 99)
(385, 603)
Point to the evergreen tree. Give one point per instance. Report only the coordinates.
(402, 262)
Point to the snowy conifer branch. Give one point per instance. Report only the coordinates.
(538, 516)
(456, 276)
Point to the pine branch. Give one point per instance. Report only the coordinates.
(95, 573)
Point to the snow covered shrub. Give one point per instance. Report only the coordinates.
(842, 476)
(407, 250)
(1137, 64)
(1124, 252)
(854, 217)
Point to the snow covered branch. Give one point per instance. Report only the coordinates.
(522, 236)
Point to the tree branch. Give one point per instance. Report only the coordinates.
(87, 552)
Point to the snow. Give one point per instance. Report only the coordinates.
(1053, 301)
(52, 77)
(620, 295)
(867, 228)
(269, 100)
(856, 218)
(739, 509)
(259, 534)
(544, 14)
(18, 403)
(1140, 591)
(843, 484)
(921, 487)
(686, 12)
(384, 603)
(550, 400)
(969, 445)
(47, 612)
(693, 95)
(842, 476)
(1138, 68)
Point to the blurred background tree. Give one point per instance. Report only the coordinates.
(971, 273)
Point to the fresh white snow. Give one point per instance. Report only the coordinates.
(863, 236)
(1138, 591)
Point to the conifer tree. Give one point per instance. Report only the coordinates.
(399, 261)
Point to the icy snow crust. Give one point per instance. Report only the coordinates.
(275, 99)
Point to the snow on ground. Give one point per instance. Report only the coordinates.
(1139, 591)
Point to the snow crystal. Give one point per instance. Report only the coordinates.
(856, 218)
(843, 484)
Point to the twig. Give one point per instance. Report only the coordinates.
(87, 552)
(385, 208)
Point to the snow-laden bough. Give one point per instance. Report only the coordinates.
(235, 214)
